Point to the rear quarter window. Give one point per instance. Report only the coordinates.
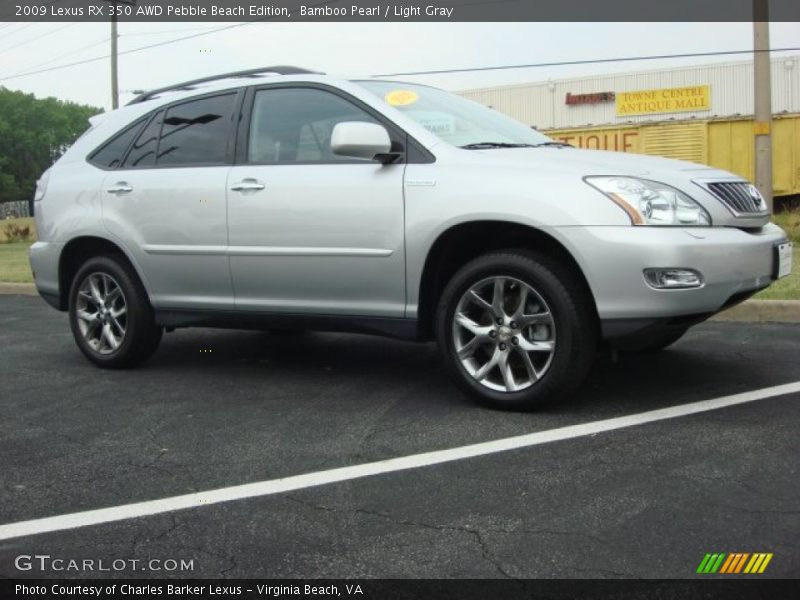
(110, 154)
(143, 151)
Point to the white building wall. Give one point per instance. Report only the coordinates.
(543, 104)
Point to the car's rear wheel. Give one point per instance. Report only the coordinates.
(110, 315)
(516, 329)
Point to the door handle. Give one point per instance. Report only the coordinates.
(121, 187)
(246, 185)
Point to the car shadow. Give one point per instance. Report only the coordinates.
(698, 367)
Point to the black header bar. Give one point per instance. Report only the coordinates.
(376, 11)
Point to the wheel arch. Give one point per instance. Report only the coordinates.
(76, 252)
(464, 241)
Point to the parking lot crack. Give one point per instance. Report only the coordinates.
(73, 440)
(175, 525)
(139, 536)
(471, 531)
(487, 554)
(762, 511)
(231, 567)
(152, 465)
(603, 571)
(554, 532)
(229, 558)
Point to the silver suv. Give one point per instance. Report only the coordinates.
(282, 198)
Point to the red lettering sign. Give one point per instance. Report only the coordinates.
(573, 99)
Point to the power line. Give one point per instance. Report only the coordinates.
(71, 52)
(8, 33)
(38, 37)
(185, 29)
(581, 62)
(149, 46)
(131, 51)
(409, 73)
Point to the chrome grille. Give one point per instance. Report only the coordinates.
(741, 197)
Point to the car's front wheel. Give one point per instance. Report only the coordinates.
(516, 329)
(110, 315)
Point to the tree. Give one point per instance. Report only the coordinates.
(33, 134)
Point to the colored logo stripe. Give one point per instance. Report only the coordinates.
(734, 563)
(727, 564)
(758, 563)
(711, 563)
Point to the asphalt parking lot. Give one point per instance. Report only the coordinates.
(221, 408)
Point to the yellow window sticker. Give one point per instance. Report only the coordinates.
(401, 97)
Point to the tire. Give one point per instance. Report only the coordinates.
(655, 344)
(557, 329)
(91, 311)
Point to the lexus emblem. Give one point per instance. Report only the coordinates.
(755, 195)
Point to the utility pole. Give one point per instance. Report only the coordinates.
(762, 80)
(114, 74)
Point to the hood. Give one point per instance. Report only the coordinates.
(599, 162)
(555, 163)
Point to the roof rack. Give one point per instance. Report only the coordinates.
(188, 85)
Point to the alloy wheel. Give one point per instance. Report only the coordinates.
(102, 312)
(504, 334)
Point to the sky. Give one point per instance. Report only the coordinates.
(352, 49)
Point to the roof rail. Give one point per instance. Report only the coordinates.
(187, 85)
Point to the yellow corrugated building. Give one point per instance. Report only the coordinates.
(724, 143)
(700, 113)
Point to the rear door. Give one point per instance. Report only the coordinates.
(167, 202)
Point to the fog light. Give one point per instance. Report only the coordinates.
(673, 279)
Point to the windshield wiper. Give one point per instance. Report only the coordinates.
(485, 145)
(556, 144)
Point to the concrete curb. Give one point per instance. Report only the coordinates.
(18, 289)
(762, 311)
(752, 311)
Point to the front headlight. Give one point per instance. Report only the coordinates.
(650, 202)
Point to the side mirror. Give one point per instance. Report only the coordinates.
(361, 140)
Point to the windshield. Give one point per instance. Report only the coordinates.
(454, 119)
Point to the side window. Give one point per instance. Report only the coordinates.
(110, 154)
(196, 132)
(143, 151)
(295, 125)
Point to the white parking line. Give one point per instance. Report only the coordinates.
(414, 461)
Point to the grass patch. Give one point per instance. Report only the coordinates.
(10, 229)
(787, 288)
(14, 265)
(789, 221)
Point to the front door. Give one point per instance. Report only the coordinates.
(309, 231)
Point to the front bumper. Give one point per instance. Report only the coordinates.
(734, 264)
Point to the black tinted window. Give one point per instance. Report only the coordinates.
(110, 154)
(196, 132)
(143, 151)
(295, 125)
